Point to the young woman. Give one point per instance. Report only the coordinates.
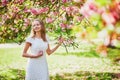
(37, 68)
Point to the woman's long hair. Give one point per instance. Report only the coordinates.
(42, 31)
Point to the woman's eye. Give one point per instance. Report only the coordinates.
(36, 25)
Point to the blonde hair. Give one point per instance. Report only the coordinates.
(42, 31)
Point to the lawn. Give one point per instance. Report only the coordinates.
(79, 64)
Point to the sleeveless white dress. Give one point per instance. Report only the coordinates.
(37, 68)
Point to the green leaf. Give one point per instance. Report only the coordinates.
(103, 2)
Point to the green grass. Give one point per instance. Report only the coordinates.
(77, 65)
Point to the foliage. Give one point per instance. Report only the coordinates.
(16, 74)
(12, 74)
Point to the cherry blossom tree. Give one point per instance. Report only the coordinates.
(16, 17)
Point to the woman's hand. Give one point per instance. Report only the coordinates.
(40, 53)
(50, 51)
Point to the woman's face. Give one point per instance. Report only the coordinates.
(36, 26)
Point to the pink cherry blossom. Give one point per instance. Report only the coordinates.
(12, 28)
(43, 10)
(27, 10)
(26, 22)
(63, 18)
(69, 26)
(63, 8)
(63, 25)
(101, 10)
(79, 18)
(75, 9)
(4, 2)
(5, 17)
(93, 7)
(77, 1)
(69, 41)
(118, 5)
(89, 8)
(49, 20)
(55, 13)
(34, 11)
(15, 9)
(37, 11)
(85, 11)
(19, 1)
(108, 18)
(37, 3)
(64, 1)
(69, 9)
(52, 1)
(16, 30)
(115, 15)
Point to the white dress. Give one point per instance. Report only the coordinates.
(37, 68)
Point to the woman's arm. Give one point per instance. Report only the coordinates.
(25, 54)
(50, 51)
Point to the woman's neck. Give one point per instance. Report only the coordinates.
(38, 35)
